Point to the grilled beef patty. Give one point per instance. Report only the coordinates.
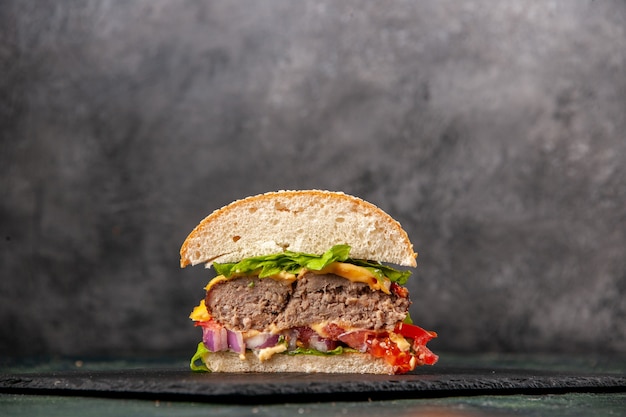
(248, 302)
(252, 303)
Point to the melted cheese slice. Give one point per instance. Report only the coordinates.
(267, 353)
(357, 273)
(200, 313)
(214, 281)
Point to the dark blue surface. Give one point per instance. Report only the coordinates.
(567, 405)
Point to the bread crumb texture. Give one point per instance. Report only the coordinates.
(309, 221)
(347, 363)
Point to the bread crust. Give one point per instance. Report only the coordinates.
(346, 363)
(309, 221)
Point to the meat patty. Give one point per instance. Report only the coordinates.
(252, 303)
(318, 298)
(248, 302)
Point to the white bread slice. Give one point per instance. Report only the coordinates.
(309, 221)
(346, 363)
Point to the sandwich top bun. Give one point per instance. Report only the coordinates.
(308, 221)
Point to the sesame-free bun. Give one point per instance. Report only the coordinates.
(309, 221)
(346, 363)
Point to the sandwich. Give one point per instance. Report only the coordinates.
(303, 282)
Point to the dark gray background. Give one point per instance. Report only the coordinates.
(495, 132)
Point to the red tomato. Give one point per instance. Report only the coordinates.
(399, 290)
(425, 356)
(211, 324)
(419, 335)
(420, 338)
(385, 348)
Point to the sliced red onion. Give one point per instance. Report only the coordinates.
(235, 342)
(309, 338)
(215, 339)
(318, 343)
(261, 341)
(292, 338)
(323, 345)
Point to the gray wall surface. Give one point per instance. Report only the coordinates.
(495, 132)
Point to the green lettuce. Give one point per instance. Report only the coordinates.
(197, 364)
(408, 319)
(293, 262)
(379, 270)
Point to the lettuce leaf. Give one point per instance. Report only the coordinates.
(197, 364)
(408, 319)
(379, 270)
(293, 262)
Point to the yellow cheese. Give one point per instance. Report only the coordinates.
(319, 328)
(265, 354)
(399, 340)
(214, 281)
(200, 313)
(357, 273)
(284, 275)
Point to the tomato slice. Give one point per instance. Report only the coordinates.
(425, 356)
(399, 290)
(384, 347)
(419, 335)
(211, 324)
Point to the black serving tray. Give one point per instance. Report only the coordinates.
(175, 384)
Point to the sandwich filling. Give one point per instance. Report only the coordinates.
(293, 303)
